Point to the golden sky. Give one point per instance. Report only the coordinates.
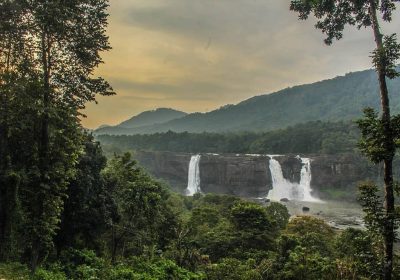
(198, 55)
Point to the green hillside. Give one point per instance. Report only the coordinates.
(341, 98)
(307, 138)
(146, 118)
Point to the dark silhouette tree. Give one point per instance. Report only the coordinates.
(379, 134)
(48, 52)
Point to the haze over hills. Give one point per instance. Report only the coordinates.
(147, 118)
(340, 98)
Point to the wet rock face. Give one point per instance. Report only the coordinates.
(247, 176)
(291, 167)
(170, 167)
(242, 175)
(341, 171)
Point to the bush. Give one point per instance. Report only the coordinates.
(125, 273)
(82, 264)
(158, 270)
(233, 269)
(42, 274)
(13, 271)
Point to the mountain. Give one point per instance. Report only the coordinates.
(147, 118)
(103, 126)
(340, 98)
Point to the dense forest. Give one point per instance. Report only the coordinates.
(309, 138)
(118, 223)
(69, 212)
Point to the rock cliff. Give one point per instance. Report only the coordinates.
(249, 175)
(241, 175)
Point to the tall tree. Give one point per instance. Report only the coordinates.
(379, 135)
(84, 218)
(14, 62)
(50, 49)
(139, 207)
(68, 37)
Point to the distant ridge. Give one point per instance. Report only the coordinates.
(340, 98)
(146, 118)
(103, 126)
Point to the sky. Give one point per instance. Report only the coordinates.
(198, 55)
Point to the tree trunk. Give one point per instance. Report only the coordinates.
(43, 146)
(388, 230)
(34, 257)
(5, 187)
(114, 245)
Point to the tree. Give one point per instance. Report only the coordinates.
(358, 254)
(253, 230)
(13, 57)
(233, 269)
(250, 216)
(48, 51)
(66, 38)
(86, 207)
(379, 135)
(279, 214)
(138, 207)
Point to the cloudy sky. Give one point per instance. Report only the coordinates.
(197, 55)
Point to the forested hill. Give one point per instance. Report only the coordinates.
(341, 98)
(307, 138)
(146, 118)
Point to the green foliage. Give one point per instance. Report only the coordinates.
(334, 15)
(279, 214)
(372, 142)
(205, 215)
(233, 269)
(311, 137)
(42, 274)
(303, 225)
(161, 269)
(297, 259)
(311, 234)
(384, 58)
(358, 254)
(379, 136)
(249, 216)
(112, 220)
(338, 99)
(133, 269)
(303, 265)
(49, 51)
(14, 271)
(372, 205)
(146, 118)
(87, 206)
(121, 272)
(222, 226)
(82, 264)
(139, 206)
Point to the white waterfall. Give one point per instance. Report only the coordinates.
(283, 188)
(305, 180)
(193, 185)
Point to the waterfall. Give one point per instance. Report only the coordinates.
(305, 180)
(283, 188)
(193, 185)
